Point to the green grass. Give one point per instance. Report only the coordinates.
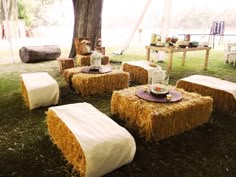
(26, 149)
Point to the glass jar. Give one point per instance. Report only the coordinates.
(95, 60)
(160, 82)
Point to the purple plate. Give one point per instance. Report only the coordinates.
(175, 96)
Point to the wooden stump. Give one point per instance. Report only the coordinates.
(32, 54)
(65, 63)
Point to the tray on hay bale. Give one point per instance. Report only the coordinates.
(92, 142)
(221, 91)
(156, 121)
(32, 54)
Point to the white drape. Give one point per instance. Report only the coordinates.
(7, 27)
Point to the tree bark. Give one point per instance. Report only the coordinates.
(32, 54)
(87, 21)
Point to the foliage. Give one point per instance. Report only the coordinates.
(23, 13)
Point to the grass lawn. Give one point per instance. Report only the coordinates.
(26, 149)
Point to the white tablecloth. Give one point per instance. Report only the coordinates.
(143, 64)
(213, 82)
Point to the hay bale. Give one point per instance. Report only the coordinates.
(140, 71)
(92, 84)
(68, 74)
(39, 89)
(84, 60)
(24, 94)
(156, 121)
(84, 136)
(223, 100)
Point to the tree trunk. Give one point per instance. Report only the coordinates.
(87, 21)
(32, 54)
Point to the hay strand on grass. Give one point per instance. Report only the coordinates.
(91, 84)
(66, 142)
(223, 101)
(156, 121)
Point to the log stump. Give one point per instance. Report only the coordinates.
(32, 54)
(65, 63)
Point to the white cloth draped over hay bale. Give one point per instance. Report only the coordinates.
(91, 84)
(140, 71)
(84, 60)
(39, 89)
(91, 141)
(155, 121)
(223, 92)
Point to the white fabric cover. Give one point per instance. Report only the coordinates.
(41, 88)
(105, 144)
(143, 64)
(213, 82)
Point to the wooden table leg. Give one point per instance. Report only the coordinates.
(169, 65)
(184, 56)
(206, 59)
(147, 54)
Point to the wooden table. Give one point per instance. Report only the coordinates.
(172, 50)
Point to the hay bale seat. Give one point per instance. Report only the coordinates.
(156, 121)
(39, 89)
(223, 92)
(92, 142)
(84, 60)
(140, 71)
(68, 74)
(92, 84)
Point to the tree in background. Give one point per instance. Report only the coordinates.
(12, 11)
(87, 21)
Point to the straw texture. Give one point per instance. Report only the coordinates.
(91, 84)
(68, 73)
(24, 94)
(137, 74)
(223, 101)
(84, 60)
(156, 121)
(66, 142)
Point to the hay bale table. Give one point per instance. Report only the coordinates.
(92, 142)
(156, 121)
(92, 84)
(39, 89)
(223, 92)
(140, 71)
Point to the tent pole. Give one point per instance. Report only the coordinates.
(126, 45)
